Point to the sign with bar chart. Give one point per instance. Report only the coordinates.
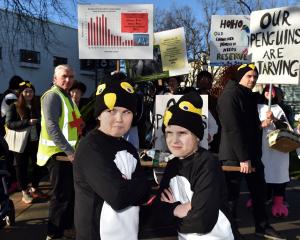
(115, 31)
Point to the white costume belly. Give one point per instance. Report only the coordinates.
(120, 225)
(182, 192)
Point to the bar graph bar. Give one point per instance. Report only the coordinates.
(99, 34)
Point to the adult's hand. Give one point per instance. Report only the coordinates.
(71, 157)
(182, 210)
(245, 166)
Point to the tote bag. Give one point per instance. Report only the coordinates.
(17, 139)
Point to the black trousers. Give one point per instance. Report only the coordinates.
(21, 165)
(257, 187)
(61, 208)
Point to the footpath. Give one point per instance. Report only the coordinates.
(31, 219)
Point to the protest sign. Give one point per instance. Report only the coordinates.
(275, 44)
(169, 58)
(115, 31)
(229, 40)
(162, 102)
(173, 51)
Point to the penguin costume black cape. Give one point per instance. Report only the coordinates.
(109, 181)
(196, 178)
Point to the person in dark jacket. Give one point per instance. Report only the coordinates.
(25, 114)
(241, 144)
(193, 185)
(9, 97)
(109, 181)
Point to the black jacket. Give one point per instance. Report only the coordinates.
(241, 133)
(14, 121)
(205, 179)
(98, 180)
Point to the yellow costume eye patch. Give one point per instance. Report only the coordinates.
(26, 84)
(189, 107)
(127, 87)
(100, 89)
(167, 117)
(251, 65)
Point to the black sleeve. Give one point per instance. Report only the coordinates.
(230, 114)
(206, 198)
(170, 172)
(103, 176)
(13, 121)
(281, 123)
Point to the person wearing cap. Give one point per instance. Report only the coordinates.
(193, 184)
(276, 163)
(241, 144)
(60, 129)
(109, 181)
(24, 114)
(77, 91)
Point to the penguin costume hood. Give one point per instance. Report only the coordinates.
(187, 113)
(115, 91)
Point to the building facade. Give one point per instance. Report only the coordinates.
(33, 55)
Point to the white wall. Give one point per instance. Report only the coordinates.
(65, 45)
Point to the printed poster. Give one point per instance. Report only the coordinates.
(275, 44)
(115, 31)
(169, 58)
(162, 102)
(229, 40)
(173, 51)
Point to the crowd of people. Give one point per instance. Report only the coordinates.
(98, 195)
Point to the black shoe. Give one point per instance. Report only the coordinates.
(268, 232)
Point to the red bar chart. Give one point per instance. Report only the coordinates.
(99, 34)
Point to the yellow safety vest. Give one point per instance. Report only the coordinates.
(47, 147)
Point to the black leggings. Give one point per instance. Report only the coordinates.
(21, 165)
(275, 189)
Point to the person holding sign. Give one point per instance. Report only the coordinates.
(276, 163)
(193, 186)
(109, 181)
(241, 144)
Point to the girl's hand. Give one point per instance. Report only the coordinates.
(269, 115)
(182, 210)
(32, 121)
(167, 196)
(266, 123)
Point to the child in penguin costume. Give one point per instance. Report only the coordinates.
(193, 184)
(109, 181)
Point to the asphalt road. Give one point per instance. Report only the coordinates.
(31, 219)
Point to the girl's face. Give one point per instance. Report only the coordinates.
(181, 142)
(268, 95)
(115, 122)
(28, 94)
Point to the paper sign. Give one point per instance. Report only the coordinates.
(162, 102)
(275, 44)
(229, 40)
(122, 31)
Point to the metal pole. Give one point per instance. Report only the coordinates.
(270, 96)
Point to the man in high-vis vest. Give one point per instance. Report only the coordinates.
(61, 125)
